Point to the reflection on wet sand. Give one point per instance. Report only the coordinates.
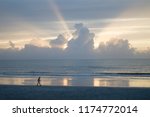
(33, 81)
(56, 82)
(139, 83)
(107, 82)
(119, 82)
(67, 82)
(96, 82)
(17, 81)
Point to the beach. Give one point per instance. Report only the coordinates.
(121, 79)
(19, 92)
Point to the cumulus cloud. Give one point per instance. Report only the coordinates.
(82, 43)
(35, 52)
(81, 46)
(59, 42)
(116, 48)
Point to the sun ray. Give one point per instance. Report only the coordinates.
(60, 17)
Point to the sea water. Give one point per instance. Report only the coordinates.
(103, 72)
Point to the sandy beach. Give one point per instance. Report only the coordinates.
(18, 92)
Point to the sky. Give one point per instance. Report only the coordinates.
(58, 25)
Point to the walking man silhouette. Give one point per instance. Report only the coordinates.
(39, 81)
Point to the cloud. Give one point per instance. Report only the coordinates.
(20, 19)
(80, 46)
(59, 42)
(145, 54)
(9, 53)
(116, 48)
(36, 12)
(34, 52)
(82, 43)
(12, 45)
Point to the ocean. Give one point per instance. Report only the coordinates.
(103, 72)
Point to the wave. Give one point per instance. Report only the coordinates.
(125, 74)
(31, 74)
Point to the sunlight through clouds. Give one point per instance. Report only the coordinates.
(60, 17)
(38, 22)
(122, 29)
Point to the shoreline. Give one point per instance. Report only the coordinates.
(19, 92)
(80, 81)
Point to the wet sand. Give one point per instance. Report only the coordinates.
(19, 92)
(80, 81)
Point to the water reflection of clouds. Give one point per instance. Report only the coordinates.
(108, 82)
(68, 81)
(139, 83)
(18, 81)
